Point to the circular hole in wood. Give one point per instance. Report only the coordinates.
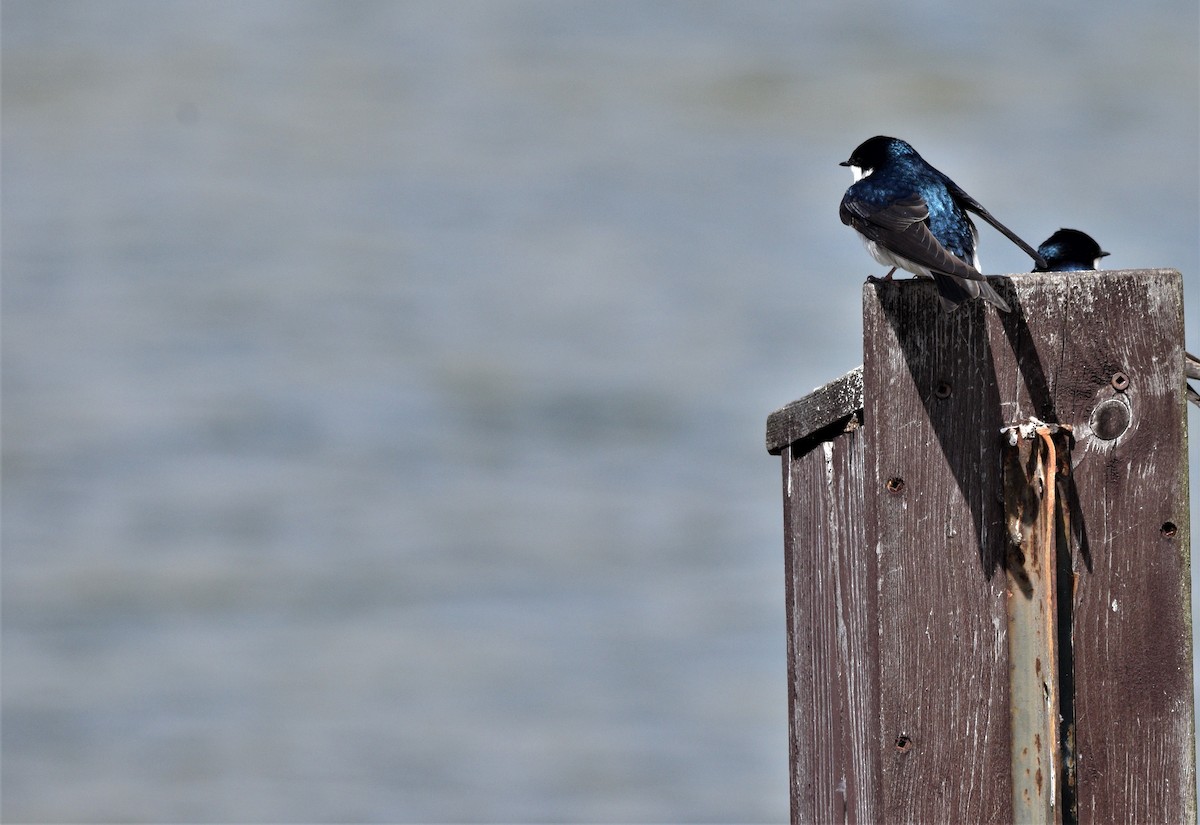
(1110, 419)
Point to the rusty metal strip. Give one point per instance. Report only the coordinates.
(1031, 467)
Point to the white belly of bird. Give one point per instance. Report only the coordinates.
(888, 258)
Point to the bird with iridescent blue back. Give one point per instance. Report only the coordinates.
(911, 216)
(1069, 250)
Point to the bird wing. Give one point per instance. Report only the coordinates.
(975, 206)
(901, 227)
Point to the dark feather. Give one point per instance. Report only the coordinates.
(900, 226)
(975, 206)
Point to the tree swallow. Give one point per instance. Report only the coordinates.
(913, 217)
(1069, 250)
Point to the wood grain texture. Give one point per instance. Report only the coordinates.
(895, 548)
(801, 421)
(1132, 629)
(832, 683)
(934, 517)
(1103, 354)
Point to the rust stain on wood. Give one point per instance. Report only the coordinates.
(896, 531)
(1033, 455)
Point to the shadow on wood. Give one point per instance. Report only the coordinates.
(894, 518)
(949, 357)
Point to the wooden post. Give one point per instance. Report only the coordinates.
(833, 692)
(906, 571)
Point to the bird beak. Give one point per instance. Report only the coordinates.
(844, 163)
(1103, 255)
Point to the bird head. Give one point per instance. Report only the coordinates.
(878, 151)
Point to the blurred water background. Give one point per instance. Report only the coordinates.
(384, 383)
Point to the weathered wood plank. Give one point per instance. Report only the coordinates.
(830, 582)
(898, 656)
(801, 420)
(1104, 354)
(934, 518)
(1101, 353)
(1132, 628)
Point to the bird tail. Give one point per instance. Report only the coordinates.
(954, 291)
(976, 207)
